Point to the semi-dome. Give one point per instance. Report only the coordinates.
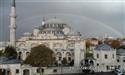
(103, 47)
(27, 34)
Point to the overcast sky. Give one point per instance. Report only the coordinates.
(91, 17)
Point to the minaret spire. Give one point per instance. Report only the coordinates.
(13, 4)
(43, 21)
(13, 24)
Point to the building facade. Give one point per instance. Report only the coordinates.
(58, 36)
(121, 58)
(105, 58)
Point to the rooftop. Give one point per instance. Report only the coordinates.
(104, 47)
(5, 60)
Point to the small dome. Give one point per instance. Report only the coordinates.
(27, 34)
(103, 47)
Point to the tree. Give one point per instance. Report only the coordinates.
(122, 47)
(88, 55)
(115, 43)
(1, 53)
(10, 52)
(40, 56)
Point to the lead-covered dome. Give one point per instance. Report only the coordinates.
(103, 47)
(54, 25)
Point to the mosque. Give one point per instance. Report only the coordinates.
(65, 43)
(53, 33)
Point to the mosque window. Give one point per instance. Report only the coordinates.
(107, 67)
(117, 60)
(27, 53)
(97, 55)
(54, 25)
(47, 25)
(124, 61)
(69, 58)
(106, 56)
(55, 70)
(17, 71)
(113, 56)
(97, 64)
(50, 25)
(60, 58)
(38, 70)
(20, 54)
(59, 25)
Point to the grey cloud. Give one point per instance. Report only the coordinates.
(79, 14)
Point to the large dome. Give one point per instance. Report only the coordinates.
(54, 25)
(54, 21)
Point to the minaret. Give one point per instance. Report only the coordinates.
(43, 21)
(13, 24)
(77, 54)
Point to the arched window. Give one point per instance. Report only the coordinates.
(59, 55)
(107, 67)
(91, 62)
(124, 61)
(106, 56)
(113, 56)
(97, 55)
(26, 72)
(27, 53)
(20, 55)
(68, 55)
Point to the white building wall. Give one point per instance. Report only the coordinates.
(103, 63)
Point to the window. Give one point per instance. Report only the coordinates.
(97, 64)
(106, 56)
(69, 58)
(60, 58)
(38, 70)
(107, 67)
(117, 60)
(124, 61)
(17, 70)
(55, 70)
(113, 56)
(42, 70)
(97, 55)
